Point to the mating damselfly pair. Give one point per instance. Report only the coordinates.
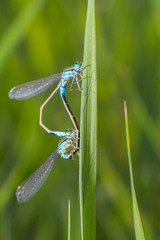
(70, 143)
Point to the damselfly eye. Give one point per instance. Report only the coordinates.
(77, 65)
(68, 132)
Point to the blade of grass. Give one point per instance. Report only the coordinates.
(17, 30)
(69, 220)
(88, 128)
(141, 112)
(136, 214)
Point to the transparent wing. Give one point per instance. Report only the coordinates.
(31, 89)
(34, 182)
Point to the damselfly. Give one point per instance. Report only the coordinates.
(31, 89)
(66, 148)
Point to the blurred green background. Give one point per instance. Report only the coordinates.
(39, 38)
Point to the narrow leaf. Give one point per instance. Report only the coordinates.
(136, 215)
(69, 220)
(88, 130)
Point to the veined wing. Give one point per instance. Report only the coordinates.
(34, 182)
(31, 89)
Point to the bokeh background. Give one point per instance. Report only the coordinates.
(39, 38)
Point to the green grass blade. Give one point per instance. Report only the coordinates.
(88, 129)
(17, 30)
(69, 220)
(136, 215)
(141, 111)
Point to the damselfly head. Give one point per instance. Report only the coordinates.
(71, 134)
(68, 145)
(68, 132)
(78, 65)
